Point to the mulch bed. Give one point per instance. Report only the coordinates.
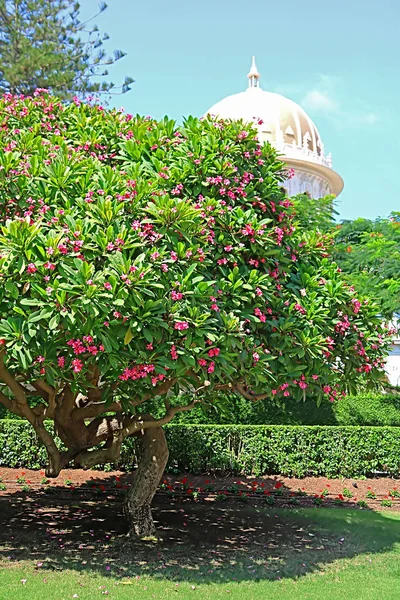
(188, 488)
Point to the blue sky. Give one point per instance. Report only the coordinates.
(338, 59)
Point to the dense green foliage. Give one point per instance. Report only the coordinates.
(363, 409)
(368, 252)
(240, 449)
(44, 44)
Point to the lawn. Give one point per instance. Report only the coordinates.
(206, 552)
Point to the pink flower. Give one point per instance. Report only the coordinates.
(173, 255)
(213, 352)
(31, 268)
(176, 295)
(181, 325)
(299, 309)
(211, 367)
(173, 352)
(61, 361)
(258, 292)
(356, 305)
(77, 365)
(202, 362)
(108, 286)
(155, 255)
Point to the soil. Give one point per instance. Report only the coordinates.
(77, 482)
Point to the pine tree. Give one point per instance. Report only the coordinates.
(44, 44)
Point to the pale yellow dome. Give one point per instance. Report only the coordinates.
(286, 126)
(282, 119)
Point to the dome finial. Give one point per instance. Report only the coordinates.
(253, 75)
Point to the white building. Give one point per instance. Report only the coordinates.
(290, 130)
(393, 360)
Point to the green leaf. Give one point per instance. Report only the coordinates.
(148, 335)
(12, 289)
(128, 337)
(54, 322)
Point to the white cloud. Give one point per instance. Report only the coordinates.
(319, 100)
(369, 118)
(324, 96)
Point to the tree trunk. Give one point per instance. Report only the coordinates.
(152, 463)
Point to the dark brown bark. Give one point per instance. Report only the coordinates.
(153, 460)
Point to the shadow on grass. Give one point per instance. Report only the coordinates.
(199, 542)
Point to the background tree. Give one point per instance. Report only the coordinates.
(147, 264)
(44, 44)
(316, 214)
(369, 254)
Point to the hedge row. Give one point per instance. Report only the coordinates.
(295, 451)
(364, 409)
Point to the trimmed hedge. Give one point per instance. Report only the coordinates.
(364, 409)
(295, 451)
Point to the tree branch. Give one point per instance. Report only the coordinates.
(9, 404)
(95, 409)
(241, 388)
(14, 386)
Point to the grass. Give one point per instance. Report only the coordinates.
(285, 554)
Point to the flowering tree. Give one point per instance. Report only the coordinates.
(142, 262)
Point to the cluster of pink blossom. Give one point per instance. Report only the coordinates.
(177, 190)
(258, 313)
(343, 326)
(85, 346)
(213, 352)
(117, 244)
(356, 305)
(136, 372)
(181, 325)
(176, 295)
(146, 231)
(297, 307)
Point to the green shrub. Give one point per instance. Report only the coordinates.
(368, 409)
(295, 451)
(364, 409)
